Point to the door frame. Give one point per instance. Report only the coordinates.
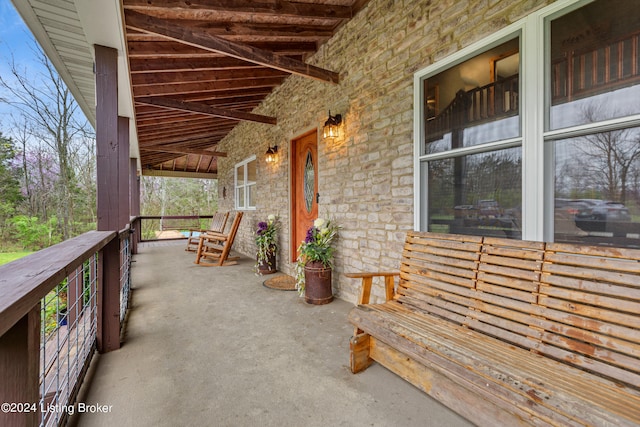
(293, 245)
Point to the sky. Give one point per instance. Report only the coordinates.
(15, 40)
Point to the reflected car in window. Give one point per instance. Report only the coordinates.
(601, 215)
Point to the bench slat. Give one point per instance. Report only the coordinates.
(616, 291)
(451, 267)
(592, 274)
(415, 251)
(596, 300)
(508, 282)
(532, 265)
(626, 332)
(597, 251)
(506, 291)
(571, 307)
(593, 262)
(516, 273)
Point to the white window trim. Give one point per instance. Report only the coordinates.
(537, 176)
(242, 166)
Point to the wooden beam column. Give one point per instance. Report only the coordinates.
(108, 186)
(134, 192)
(19, 370)
(124, 204)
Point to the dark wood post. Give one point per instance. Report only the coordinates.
(108, 297)
(134, 191)
(75, 289)
(19, 370)
(123, 172)
(109, 202)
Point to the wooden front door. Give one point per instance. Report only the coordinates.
(304, 187)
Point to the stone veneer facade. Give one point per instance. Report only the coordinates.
(365, 178)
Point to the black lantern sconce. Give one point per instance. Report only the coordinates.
(271, 154)
(330, 129)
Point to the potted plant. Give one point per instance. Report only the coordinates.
(266, 240)
(315, 261)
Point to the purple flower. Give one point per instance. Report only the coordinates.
(262, 227)
(310, 235)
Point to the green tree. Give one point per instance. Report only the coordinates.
(10, 195)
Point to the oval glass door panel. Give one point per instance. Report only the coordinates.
(309, 181)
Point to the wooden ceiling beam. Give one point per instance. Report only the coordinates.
(211, 63)
(198, 107)
(184, 130)
(186, 151)
(255, 31)
(251, 7)
(158, 46)
(201, 39)
(204, 87)
(162, 78)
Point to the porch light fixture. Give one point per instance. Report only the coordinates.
(271, 154)
(330, 129)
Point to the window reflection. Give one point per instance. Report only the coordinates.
(474, 102)
(597, 188)
(595, 64)
(476, 194)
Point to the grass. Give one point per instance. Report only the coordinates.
(7, 257)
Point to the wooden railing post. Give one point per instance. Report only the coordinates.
(19, 370)
(108, 338)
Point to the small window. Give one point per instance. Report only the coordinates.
(245, 184)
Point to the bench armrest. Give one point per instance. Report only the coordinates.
(367, 280)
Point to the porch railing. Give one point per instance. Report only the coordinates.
(57, 306)
(168, 227)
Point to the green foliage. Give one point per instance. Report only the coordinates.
(316, 248)
(34, 234)
(266, 239)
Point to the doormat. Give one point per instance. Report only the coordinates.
(281, 283)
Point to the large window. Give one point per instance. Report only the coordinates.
(595, 149)
(470, 158)
(538, 139)
(245, 184)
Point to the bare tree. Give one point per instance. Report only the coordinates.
(49, 107)
(610, 155)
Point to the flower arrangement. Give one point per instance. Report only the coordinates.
(316, 248)
(267, 239)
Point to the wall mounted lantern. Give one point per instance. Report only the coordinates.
(330, 129)
(271, 154)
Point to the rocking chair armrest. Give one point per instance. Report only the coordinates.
(367, 280)
(213, 235)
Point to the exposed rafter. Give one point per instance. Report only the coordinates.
(186, 151)
(197, 37)
(197, 107)
(280, 7)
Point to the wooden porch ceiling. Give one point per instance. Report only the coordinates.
(200, 67)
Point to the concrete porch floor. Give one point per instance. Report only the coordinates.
(214, 347)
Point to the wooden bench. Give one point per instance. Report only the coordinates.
(509, 332)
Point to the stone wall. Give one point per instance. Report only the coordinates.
(365, 177)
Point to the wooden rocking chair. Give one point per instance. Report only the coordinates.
(218, 222)
(217, 246)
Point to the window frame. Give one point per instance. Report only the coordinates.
(536, 138)
(242, 167)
